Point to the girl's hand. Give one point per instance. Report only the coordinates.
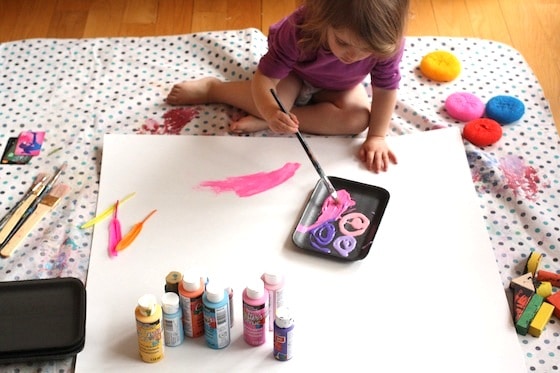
(281, 122)
(375, 154)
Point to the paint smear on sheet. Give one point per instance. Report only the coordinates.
(248, 185)
(174, 121)
(522, 179)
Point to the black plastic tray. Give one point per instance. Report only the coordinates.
(327, 239)
(41, 319)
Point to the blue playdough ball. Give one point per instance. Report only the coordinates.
(505, 109)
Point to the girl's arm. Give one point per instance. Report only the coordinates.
(268, 108)
(375, 152)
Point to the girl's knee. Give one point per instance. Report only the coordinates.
(356, 119)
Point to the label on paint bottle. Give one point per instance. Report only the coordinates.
(274, 284)
(190, 293)
(255, 313)
(216, 316)
(149, 329)
(283, 334)
(172, 319)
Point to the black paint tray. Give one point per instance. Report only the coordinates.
(339, 238)
(41, 319)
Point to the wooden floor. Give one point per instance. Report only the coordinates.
(530, 26)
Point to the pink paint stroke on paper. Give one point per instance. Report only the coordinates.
(331, 210)
(173, 122)
(522, 179)
(248, 185)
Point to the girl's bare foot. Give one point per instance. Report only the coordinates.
(191, 92)
(248, 124)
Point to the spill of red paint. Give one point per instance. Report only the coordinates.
(522, 179)
(174, 121)
(248, 185)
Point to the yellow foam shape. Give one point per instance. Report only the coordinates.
(440, 66)
(544, 289)
(541, 319)
(533, 262)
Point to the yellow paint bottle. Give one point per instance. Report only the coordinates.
(149, 329)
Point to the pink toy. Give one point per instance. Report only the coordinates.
(464, 106)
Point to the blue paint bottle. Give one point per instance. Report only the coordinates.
(216, 316)
(172, 320)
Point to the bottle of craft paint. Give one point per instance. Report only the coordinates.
(274, 284)
(255, 313)
(149, 329)
(191, 289)
(283, 334)
(219, 280)
(172, 281)
(216, 316)
(172, 319)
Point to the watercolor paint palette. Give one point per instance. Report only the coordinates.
(343, 230)
(42, 319)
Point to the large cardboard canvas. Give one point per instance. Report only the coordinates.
(427, 297)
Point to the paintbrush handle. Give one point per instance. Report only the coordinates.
(10, 213)
(318, 168)
(17, 215)
(22, 220)
(35, 190)
(35, 217)
(37, 213)
(316, 165)
(310, 155)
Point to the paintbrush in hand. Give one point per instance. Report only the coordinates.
(324, 178)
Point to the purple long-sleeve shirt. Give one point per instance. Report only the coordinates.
(322, 69)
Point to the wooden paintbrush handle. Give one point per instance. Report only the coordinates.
(11, 223)
(24, 230)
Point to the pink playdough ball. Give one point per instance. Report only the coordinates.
(464, 106)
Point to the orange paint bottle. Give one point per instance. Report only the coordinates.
(191, 289)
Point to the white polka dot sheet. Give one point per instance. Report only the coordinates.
(76, 90)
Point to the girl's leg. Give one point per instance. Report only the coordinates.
(335, 112)
(235, 93)
(211, 90)
(287, 89)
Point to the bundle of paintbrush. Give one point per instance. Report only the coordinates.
(42, 197)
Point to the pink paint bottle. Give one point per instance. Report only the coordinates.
(191, 289)
(255, 313)
(274, 284)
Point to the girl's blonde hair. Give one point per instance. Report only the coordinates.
(380, 24)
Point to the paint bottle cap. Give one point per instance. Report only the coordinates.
(273, 278)
(283, 317)
(191, 280)
(215, 292)
(170, 302)
(173, 279)
(147, 304)
(255, 290)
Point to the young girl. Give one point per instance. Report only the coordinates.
(317, 60)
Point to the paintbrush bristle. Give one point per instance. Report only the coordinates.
(56, 193)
